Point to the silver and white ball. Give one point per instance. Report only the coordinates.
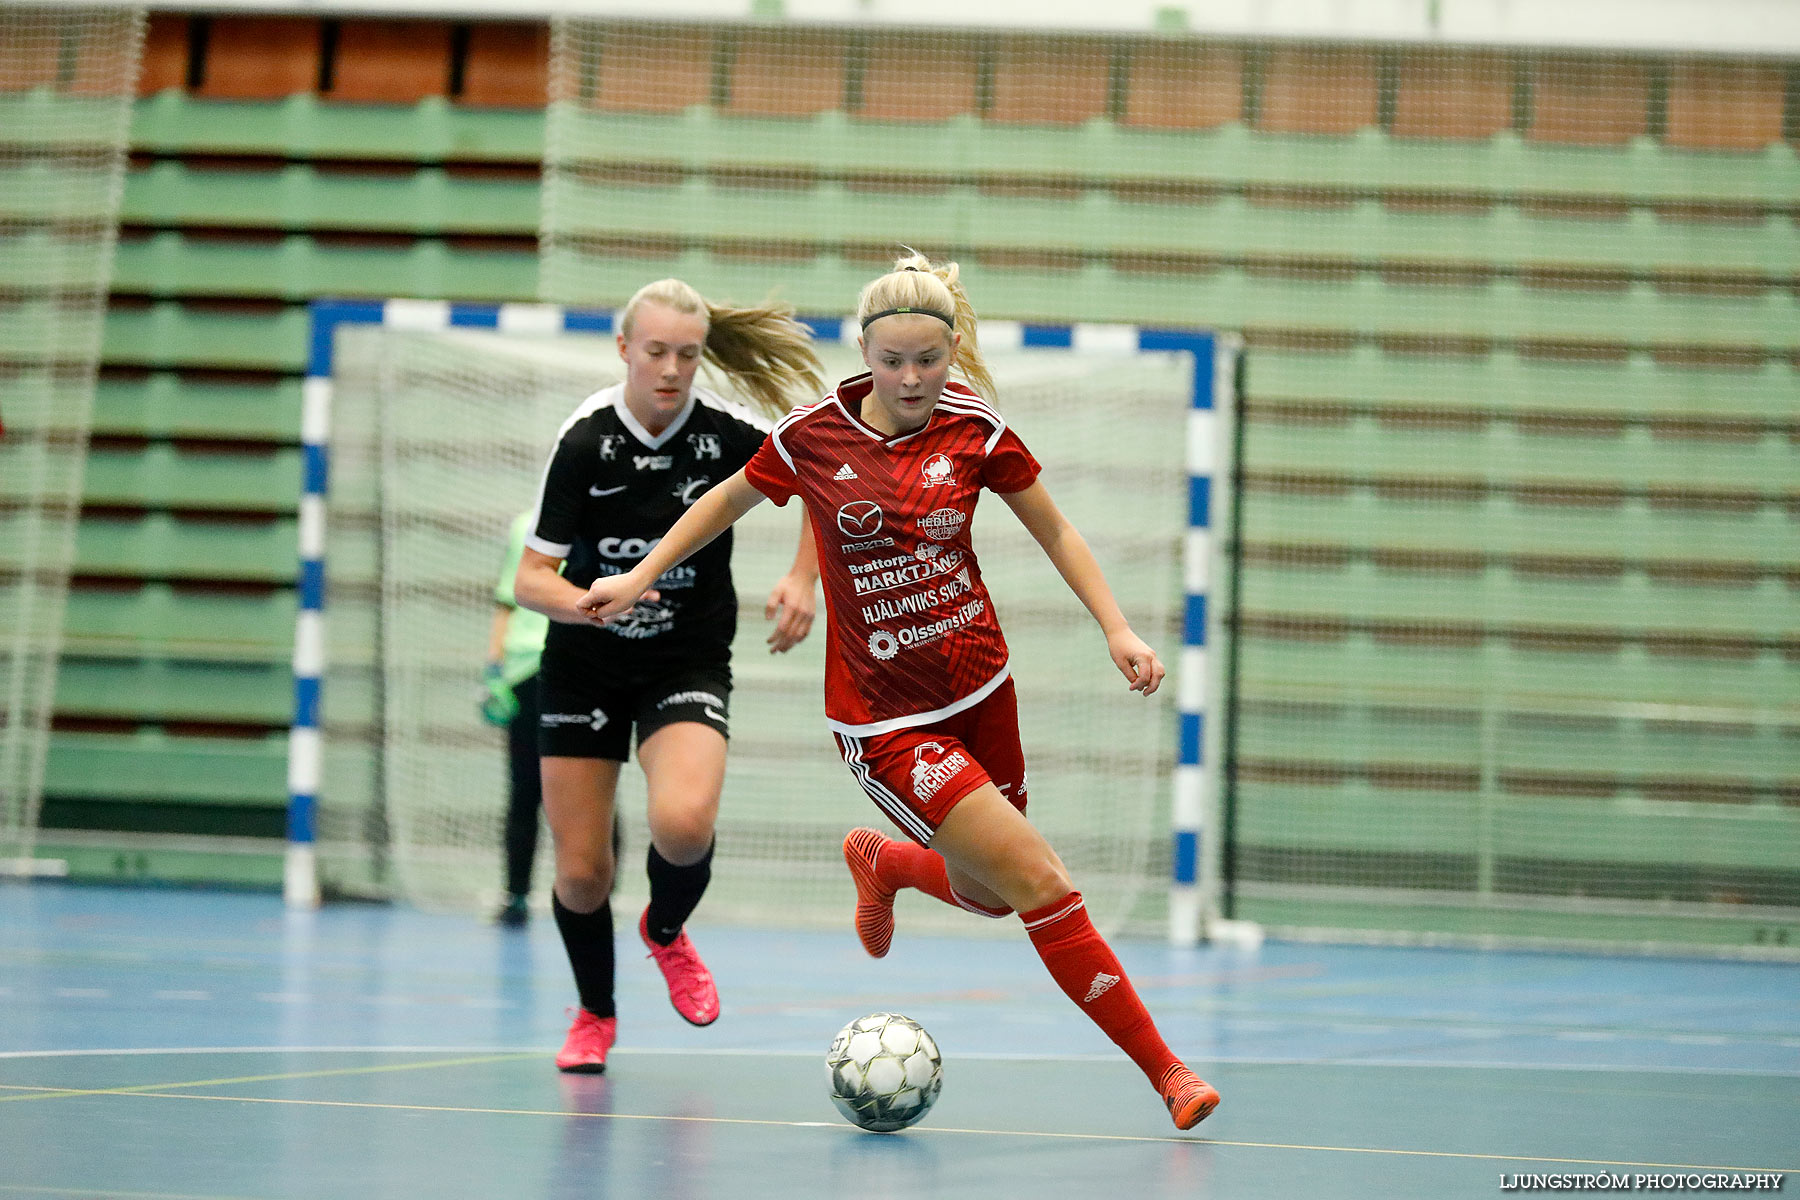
(884, 1072)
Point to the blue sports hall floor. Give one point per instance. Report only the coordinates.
(169, 1043)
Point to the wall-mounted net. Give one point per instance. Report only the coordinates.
(66, 77)
(1517, 650)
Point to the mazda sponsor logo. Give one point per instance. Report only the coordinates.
(859, 519)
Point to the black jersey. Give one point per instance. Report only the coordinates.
(609, 494)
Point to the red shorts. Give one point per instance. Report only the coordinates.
(916, 775)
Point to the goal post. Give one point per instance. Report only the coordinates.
(436, 419)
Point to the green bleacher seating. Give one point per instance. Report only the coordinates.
(1101, 220)
(1504, 381)
(157, 620)
(1503, 167)
(298, 266)
(1521, 381)
(161, 545)
(304, 196)
(1632, 458)
(169, 333)
(165, 404)
(177, 690)
(1767, 612)
(164, 476)
(1360, 669)
(1232, 296)
(303, 127)
(1344, 515)
(150, 766)
(1545, 829)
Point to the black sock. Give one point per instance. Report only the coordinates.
(588, 937)
(525, 790)
(674, 891)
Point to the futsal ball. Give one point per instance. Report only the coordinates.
(884, 1072)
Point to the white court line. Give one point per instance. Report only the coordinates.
(846, 1129)
(1240, 1060)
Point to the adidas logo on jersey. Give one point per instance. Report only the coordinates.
(844, 472)
(1103, 983)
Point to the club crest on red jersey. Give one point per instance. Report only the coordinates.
(937, 470)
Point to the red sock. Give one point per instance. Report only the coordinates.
(908, 864)
(1088, 972)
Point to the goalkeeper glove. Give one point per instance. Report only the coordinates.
(498, 704)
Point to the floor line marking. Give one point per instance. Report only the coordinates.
(1238, 1060)
(929, 1130)
(157, 1089)
(31, 1190)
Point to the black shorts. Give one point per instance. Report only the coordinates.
(588, 712)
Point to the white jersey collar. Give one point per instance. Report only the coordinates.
(636, 428)
(851, 407)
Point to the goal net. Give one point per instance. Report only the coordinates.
(66, 77)
(438, 441)
(1514, 636)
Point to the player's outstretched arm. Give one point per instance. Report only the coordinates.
(539, 586)
(613, 595)
(793, 603)
(1068, 551)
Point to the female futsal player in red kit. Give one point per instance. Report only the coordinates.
(918, 692)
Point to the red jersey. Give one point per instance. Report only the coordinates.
(912, 635)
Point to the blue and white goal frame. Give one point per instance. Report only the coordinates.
(1195, 858)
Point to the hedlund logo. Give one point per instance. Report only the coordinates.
(942, 524)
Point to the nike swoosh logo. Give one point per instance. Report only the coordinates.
(709, 711)
(594, 491)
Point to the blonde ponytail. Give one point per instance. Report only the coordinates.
(765, 352)
(917, 284)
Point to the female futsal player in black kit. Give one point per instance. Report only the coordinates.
(627, 464)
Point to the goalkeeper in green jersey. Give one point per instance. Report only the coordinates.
(509, 699)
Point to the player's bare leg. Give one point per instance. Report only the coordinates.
(578, 803)
(995, 852)
(997, 857)
(684, 767)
